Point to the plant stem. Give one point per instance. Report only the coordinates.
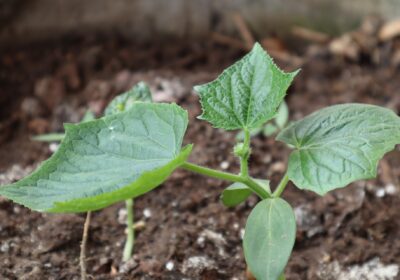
(82, 258)
(127, 254)
(244, 165)
(260, 191)
(282, 185)
(211, 172)
(255, 187)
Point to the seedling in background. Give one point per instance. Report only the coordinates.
(127, 154)
(139, 93)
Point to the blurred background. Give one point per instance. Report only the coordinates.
(60, 58)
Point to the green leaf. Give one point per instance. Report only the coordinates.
(245, 95)
(107, 160)
(270, 129)
(340, 144)
(269, 238)
(123, 102)
(282, 116)
(238, 192)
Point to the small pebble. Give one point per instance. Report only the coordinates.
(169, 266)
(147, 213)
(242, 233)
(53, 147)
(5, 247)
(390, 189)
(17, 210)
(122, 214)
(380, 192)
(224, 165)
(201, 240)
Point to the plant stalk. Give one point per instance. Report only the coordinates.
(244, 164)
(253, 185)
(82, 257)
(130, 240)
(282, 185)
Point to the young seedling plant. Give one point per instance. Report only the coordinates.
(139, 93)
(127, 154)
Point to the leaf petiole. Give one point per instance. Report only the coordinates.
(252, 184)
(282, 185)
(244, 157)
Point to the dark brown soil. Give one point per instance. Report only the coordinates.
(187, 232)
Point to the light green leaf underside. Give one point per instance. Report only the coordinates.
(107, 160)
(238, 192)
(245, 95)
(339, 144)
(269, 238)
(123, 102)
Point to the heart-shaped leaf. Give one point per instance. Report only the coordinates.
(245, 95)
(339, 144)
(107, 160)
(238, 192)
(269, 238)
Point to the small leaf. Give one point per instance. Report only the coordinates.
(123, 102)
(269, 238)
(245, 95)
(270, 129)
(339, 144)
(107, 160)
(282, 116)
(238, 192)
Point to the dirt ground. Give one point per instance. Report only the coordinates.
(188, 234)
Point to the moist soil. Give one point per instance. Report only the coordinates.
(184, 232)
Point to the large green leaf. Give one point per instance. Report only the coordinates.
(107, 160)
(123, 102)
(340, 144)
(237, 192)
(245, 95)
(269, 238)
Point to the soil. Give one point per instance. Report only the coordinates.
(186, 232)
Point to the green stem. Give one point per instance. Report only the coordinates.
(282, 185)
(244, 164)
(260, 191)
(127, 254)
(255, 187)
(211, 172)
